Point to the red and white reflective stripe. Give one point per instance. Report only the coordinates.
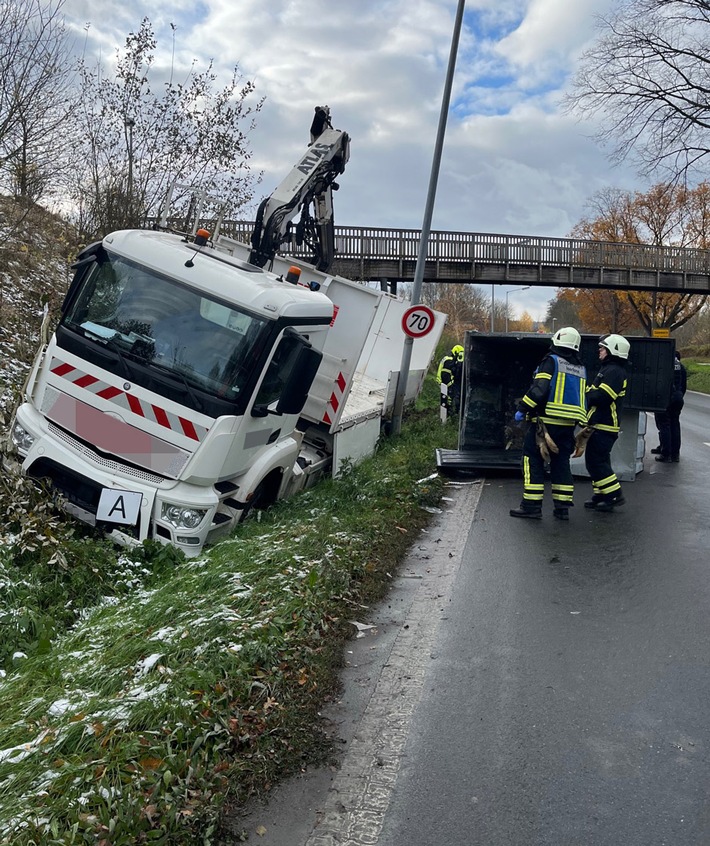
(128, 402)
(335, 400)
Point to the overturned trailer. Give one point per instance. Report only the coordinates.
(498, 370)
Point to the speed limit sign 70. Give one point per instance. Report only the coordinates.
(418, 321)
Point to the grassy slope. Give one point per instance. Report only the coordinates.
(698, 375)
(202, 680)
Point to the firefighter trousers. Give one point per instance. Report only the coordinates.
(597, 459)
(560, 473)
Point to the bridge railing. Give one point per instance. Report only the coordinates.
(355, 242)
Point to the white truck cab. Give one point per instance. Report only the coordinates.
(168, 374)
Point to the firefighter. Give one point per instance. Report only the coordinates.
(554, 405)
(450, 374)
(604, 400)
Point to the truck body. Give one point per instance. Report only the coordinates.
(185, 384)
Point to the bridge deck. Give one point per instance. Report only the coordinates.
(377, 254)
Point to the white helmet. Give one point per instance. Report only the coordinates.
(616, 344)
(567, 337)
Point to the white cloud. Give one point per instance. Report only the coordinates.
(511, 162)
(552, 32)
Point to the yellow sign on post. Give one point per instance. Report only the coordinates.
(661, 333)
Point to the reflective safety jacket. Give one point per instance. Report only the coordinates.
(606, 394)
(450, 371)
(557, 393)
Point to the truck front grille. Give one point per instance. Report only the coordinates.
(107, 463)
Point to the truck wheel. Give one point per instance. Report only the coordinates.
(260, 500)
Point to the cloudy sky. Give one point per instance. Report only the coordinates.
(512, 162)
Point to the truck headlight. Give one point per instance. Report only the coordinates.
(181, 517)
(22, 439)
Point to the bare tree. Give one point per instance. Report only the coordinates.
(140, 135)
(646, 76)
(468, 306)
(35, 95)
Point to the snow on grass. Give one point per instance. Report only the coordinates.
(103, 680)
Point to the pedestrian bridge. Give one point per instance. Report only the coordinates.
(373, 254)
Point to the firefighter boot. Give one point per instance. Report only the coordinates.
(532, 512)
(561, 513)
(609, 504)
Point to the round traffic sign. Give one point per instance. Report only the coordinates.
(418, 321)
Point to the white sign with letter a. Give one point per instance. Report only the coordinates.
(117, 506)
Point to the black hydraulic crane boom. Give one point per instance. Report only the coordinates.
(311, 182)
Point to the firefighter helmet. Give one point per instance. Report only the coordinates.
(567, 337)
(457, 352)
(616, 344)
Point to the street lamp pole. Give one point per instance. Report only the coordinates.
(525, 288)
(554, 320)
(401, 390)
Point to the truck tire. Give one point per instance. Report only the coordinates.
(264, 495)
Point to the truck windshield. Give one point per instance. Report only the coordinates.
(144, 320)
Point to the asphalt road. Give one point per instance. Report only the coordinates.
(531, 682)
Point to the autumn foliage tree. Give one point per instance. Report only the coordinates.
(601, 311)
(666, 215)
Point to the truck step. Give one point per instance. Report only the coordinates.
(226, 487)
(220, 518)
(233, 503)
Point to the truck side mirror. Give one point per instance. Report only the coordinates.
(295, 392)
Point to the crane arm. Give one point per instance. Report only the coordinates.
(311, 182)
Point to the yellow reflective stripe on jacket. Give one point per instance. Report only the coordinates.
(556, 421)
(567, 400)
(607, 389)
(526, 399)
(445, 367)
(614, 425)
